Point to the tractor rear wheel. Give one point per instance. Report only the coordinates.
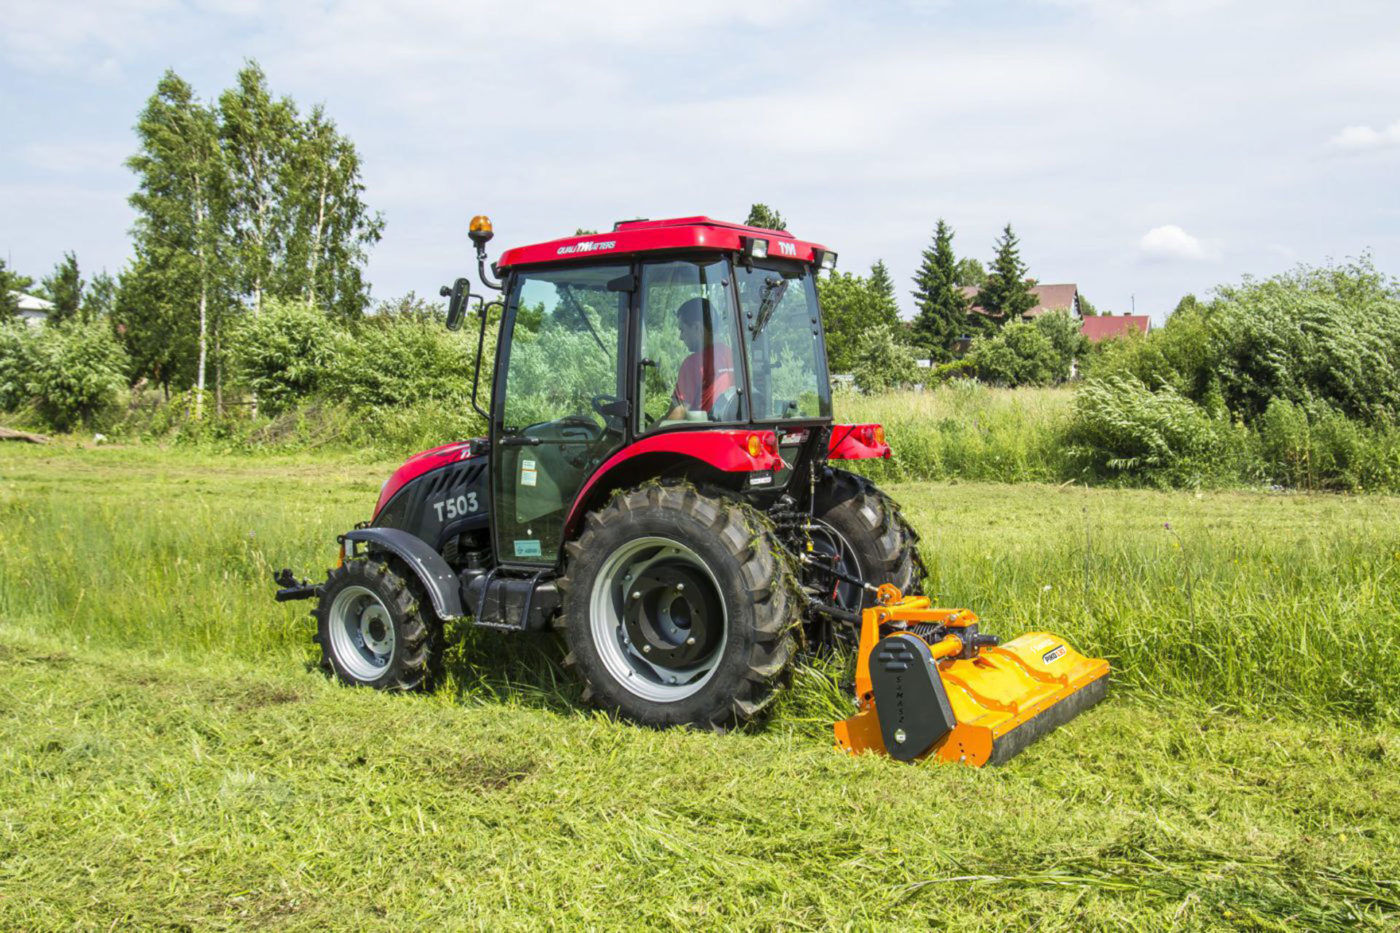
(678, 609)
(861, 532)
(371, 628)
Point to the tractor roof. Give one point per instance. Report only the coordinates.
(649, 236)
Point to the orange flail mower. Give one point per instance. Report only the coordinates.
(930, 685)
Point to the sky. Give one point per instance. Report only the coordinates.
(1143, 150)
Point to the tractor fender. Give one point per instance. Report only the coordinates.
(443, 587)
(723, 451)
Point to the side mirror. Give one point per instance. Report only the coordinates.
(457, 303)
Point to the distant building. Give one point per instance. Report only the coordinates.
(1047, 297)
(1108, 326)
(33, 310)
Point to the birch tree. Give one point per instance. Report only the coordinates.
(256, 135)
(178, 231)
(331, 228)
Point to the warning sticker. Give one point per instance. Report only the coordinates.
(528, 474)
(527, 547)
(1054, 655)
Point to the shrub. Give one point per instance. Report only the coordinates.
(881, 362)
(18, 356)
(403, 359)
(282, 353)
(78, 372)
(1324, 449)
(1121, 429)
(1018, 355)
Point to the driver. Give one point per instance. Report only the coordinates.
(709, 370)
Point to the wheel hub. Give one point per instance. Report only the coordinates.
(374, 629)
(672, 615)
(361, 632)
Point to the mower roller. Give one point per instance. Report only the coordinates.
(930, 685)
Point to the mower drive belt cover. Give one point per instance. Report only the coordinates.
(914, 708)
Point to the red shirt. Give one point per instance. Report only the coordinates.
(705, 374)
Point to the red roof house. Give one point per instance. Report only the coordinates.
(1108, 326)
(1048, 298)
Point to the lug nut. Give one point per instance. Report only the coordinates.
(680, 587)
(636, 594)
(690, 640)
(646, 649)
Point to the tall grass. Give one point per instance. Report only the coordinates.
(968, 431)
(1245, 600)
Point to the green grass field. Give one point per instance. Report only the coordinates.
(169, 758)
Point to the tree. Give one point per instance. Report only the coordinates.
(761, 215)
(1018, 354)
(1006, 292)
(942, 308)
(99, 297)
(1086, 307)
(851, 306)
(10, 282)
(329, 228)
(880, 281)
(152, 314)
(256, 133)
(179, 231)
(79, 372)
(64, 288)
(969, 272)
(880, 362)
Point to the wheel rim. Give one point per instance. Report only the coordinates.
(362, 632)
(836, 552)
(658, 620)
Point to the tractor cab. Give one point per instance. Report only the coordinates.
(660, 332)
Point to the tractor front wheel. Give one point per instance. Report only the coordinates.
(371, 628)
(677, 609)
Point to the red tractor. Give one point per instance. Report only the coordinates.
(656, 481)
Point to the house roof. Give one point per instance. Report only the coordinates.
(31, 303)
(1048, 298)
(1108, 326)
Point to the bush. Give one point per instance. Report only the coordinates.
(1326, 450)
(282, 353)
(403, 359)
(881, 362)
(1318, 338)
(18, 357)
(78, 372)
(1123, 430)
(1018, 355)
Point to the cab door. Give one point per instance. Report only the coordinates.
(560, 404)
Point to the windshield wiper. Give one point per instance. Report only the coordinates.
(773, 290)
(578, 309)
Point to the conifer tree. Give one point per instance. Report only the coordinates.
(11, 283)
(1006, 292)
(942, 307)
(64, 289)
(881, 282)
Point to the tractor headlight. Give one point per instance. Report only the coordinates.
(755, 247)
(828, 261)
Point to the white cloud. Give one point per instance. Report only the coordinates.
(1366, 139)
(1170, 242)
